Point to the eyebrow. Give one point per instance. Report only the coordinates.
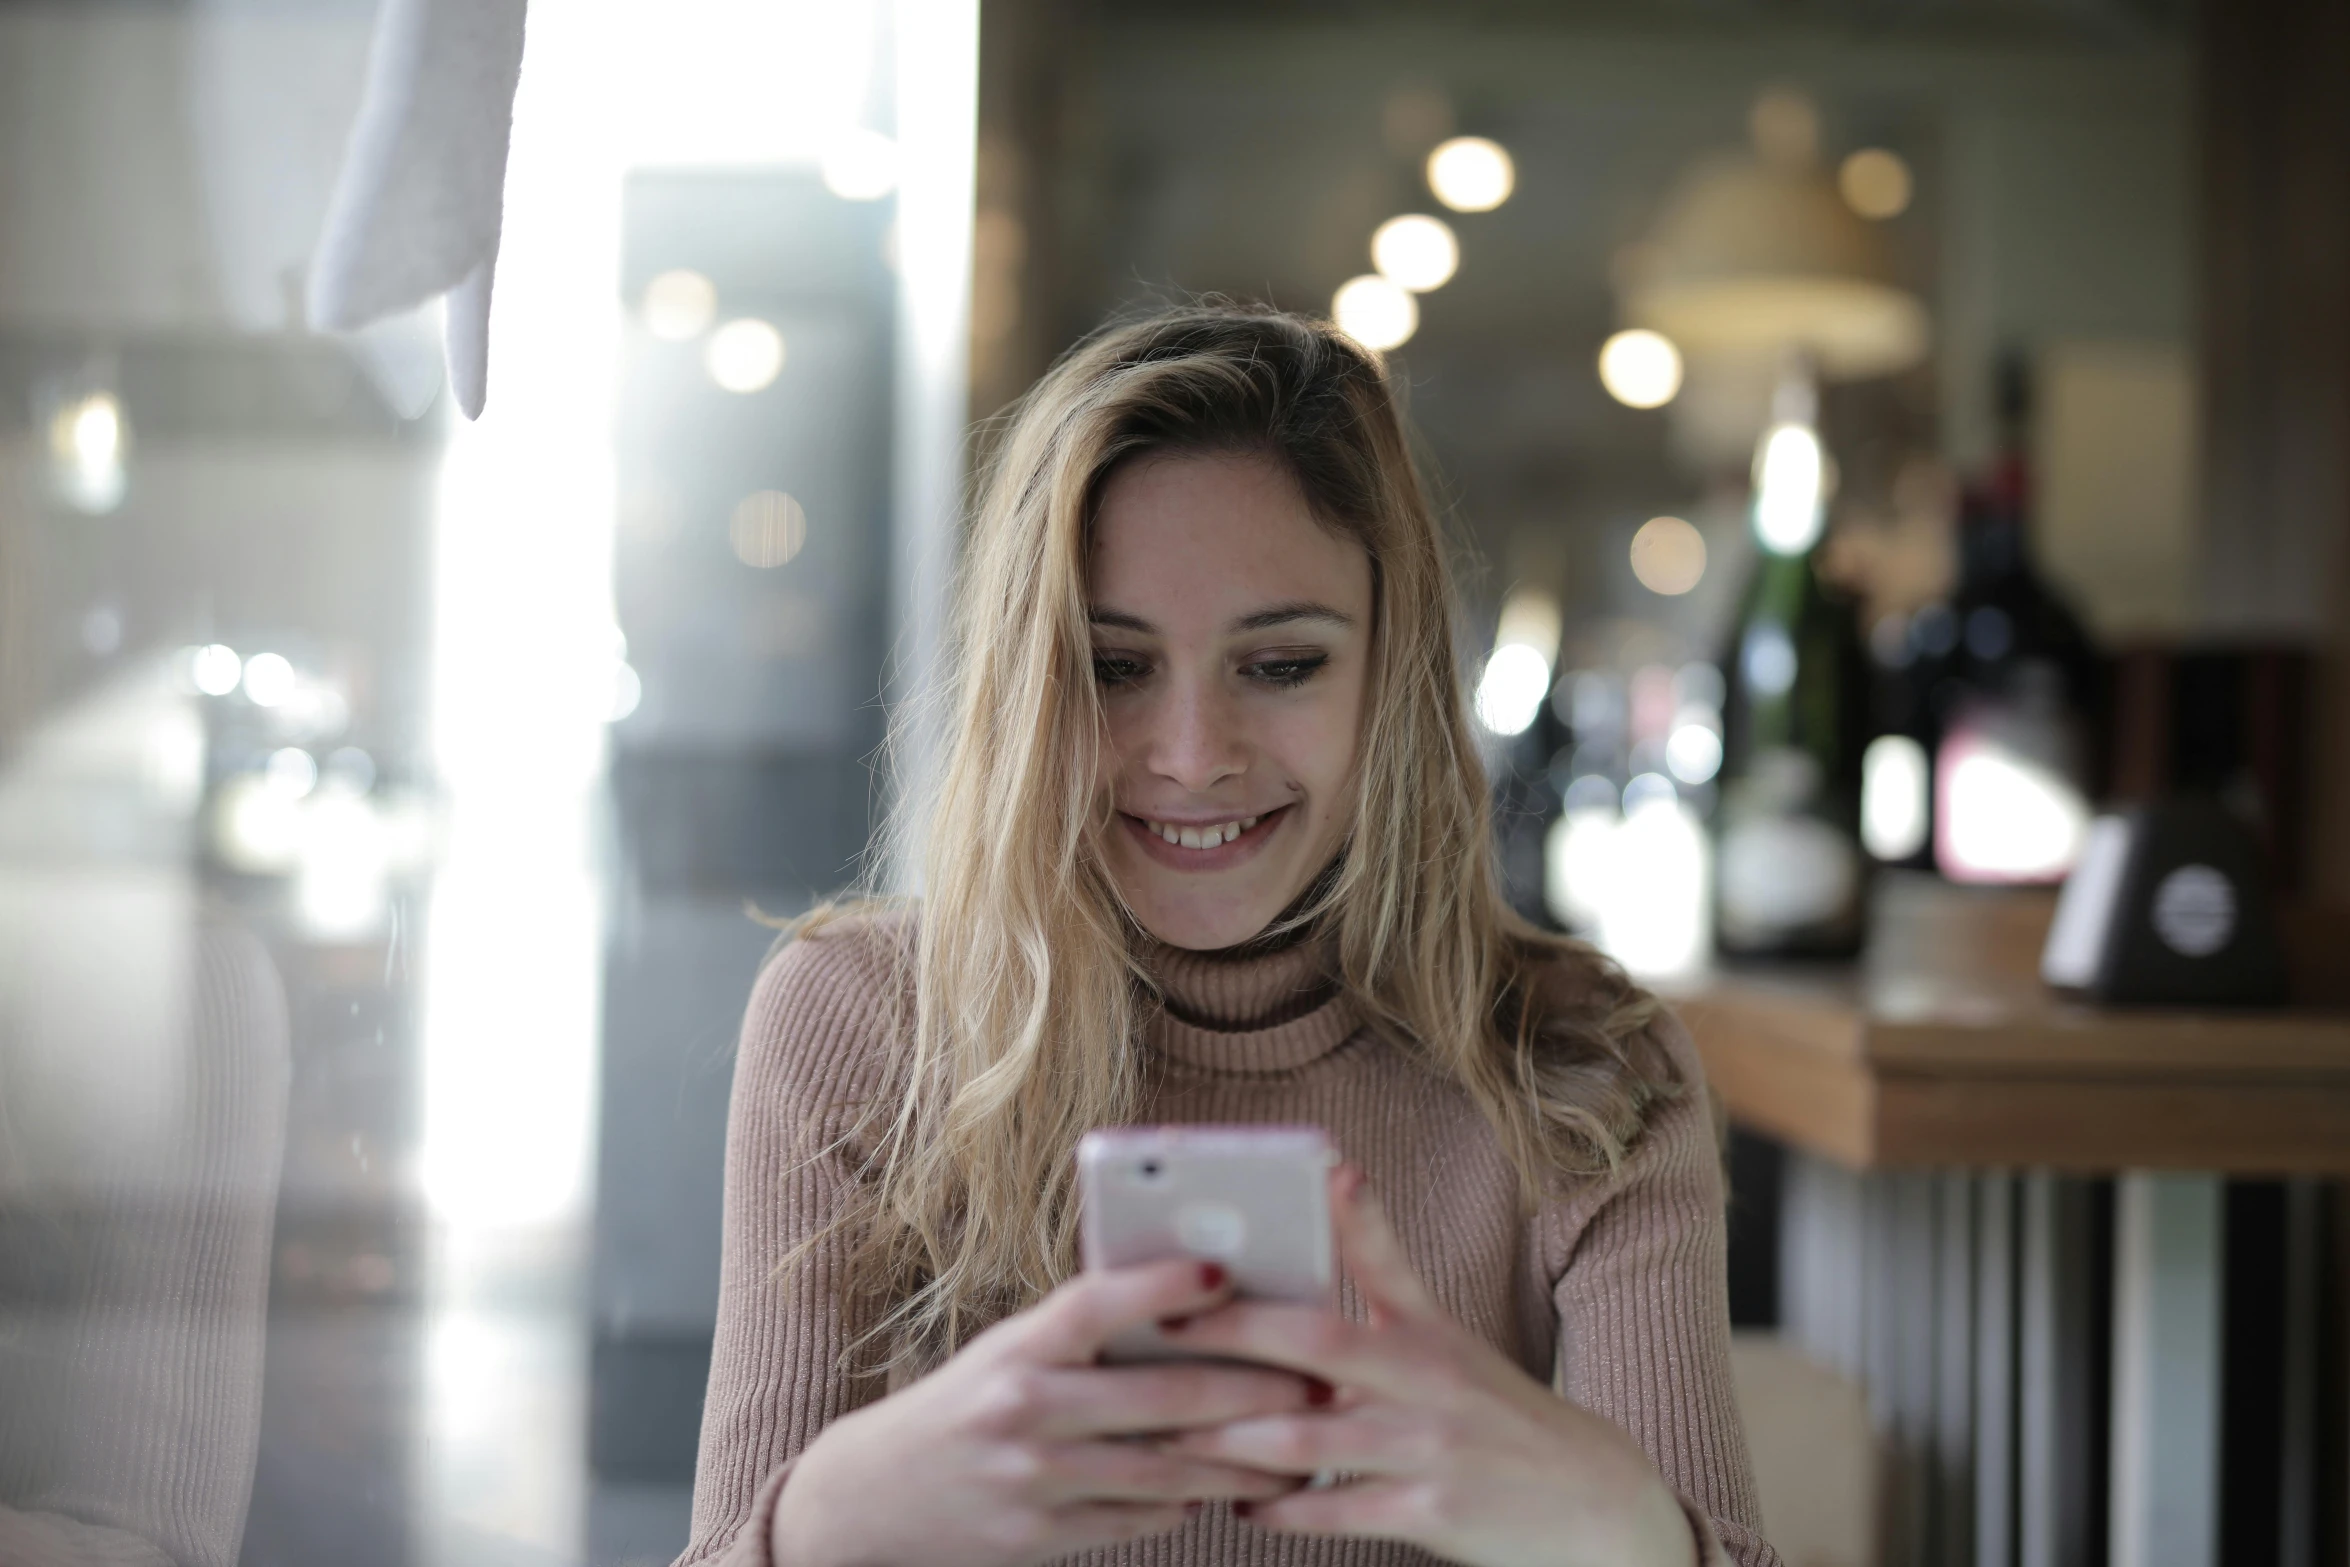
(1289, 614)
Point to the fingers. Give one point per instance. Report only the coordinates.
(1131, 1400)
(1383, 1275)
(1379, 1509)
(1304, 1339)
(1070, 1326)
(1085, 1472)
(1367, 1442)
(1113, 1523)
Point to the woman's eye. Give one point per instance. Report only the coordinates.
(1118, 669)
(1286, 672)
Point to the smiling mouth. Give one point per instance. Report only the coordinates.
(1204, 846)
(1212, 836)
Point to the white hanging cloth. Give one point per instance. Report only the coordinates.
(417, 207)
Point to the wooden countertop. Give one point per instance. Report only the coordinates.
(1942, 1047)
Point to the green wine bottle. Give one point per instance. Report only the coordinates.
(1790, 879)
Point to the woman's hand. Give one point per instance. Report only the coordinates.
(1457, 1450)
(1021, 1448)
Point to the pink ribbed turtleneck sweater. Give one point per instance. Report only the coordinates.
(1616, 1291)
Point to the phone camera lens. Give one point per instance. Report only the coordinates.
(1150, 1169)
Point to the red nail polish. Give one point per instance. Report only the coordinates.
(1173, 1324)
(1211, 1275)
(1318, 1392)
(1243, 1509)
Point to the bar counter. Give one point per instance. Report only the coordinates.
(2043, 1349)
(1942, 1047)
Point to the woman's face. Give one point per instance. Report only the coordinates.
(1232, 644)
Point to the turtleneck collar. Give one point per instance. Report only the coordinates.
(1249, 1010)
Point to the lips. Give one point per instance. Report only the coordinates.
(1203, 846)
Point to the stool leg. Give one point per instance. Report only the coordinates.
(2168, 1233)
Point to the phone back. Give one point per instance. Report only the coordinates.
(1254, 1198)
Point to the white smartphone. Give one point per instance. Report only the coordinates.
(1255, 1199)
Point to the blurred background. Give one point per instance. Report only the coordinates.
(1899, 456)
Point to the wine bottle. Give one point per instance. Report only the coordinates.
(2018, 690)
(1790, 878)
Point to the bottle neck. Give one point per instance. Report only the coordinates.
(1994, 535)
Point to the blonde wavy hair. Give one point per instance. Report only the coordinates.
(1028, 1001)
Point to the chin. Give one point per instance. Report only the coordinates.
(1202, 933)
(1200, 919)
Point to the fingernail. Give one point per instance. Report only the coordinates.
(1243, 1509)
(1211, 1275)
(1319, 1392)
(1173, 1324)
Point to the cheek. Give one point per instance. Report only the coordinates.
(1319, 745)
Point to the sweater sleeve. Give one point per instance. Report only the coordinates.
(811, 1055)
(1643, 1308)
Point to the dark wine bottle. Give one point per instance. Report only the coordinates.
(1790, 879)
(2017, 688)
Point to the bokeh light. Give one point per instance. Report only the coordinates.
(861, 165)
(1893, 797)
(216, 669)
(767, 528)
(1875, 183)
(1790, 489)
(745, 355)
(1785, 125)
(1640, 368)
(292, 770)
(680, 304)
(1510, 692)
(269, 679)
(1668, 556)
(1693, 752)
(2003, 816)
(1471, 174)
(87, 438)
(1375, 312)
(1416, 251)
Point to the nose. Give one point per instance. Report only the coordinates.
(1195, 739)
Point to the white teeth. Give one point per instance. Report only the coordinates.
(1210, 837)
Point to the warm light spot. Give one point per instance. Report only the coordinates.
(745, 355)
(1668, 556)
(1640, 368)
(86, 441)
(861, 165)
(1471, 174)
(680, 304)
(1530, 618)
(1790, 486)
(1875, 183)
(97, 430)
(1375, 312)
(1785, 124)
(2005, 817)
(1416, 251)
(767, 529)
(1893, 797)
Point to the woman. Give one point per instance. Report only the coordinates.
(1210, 844)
